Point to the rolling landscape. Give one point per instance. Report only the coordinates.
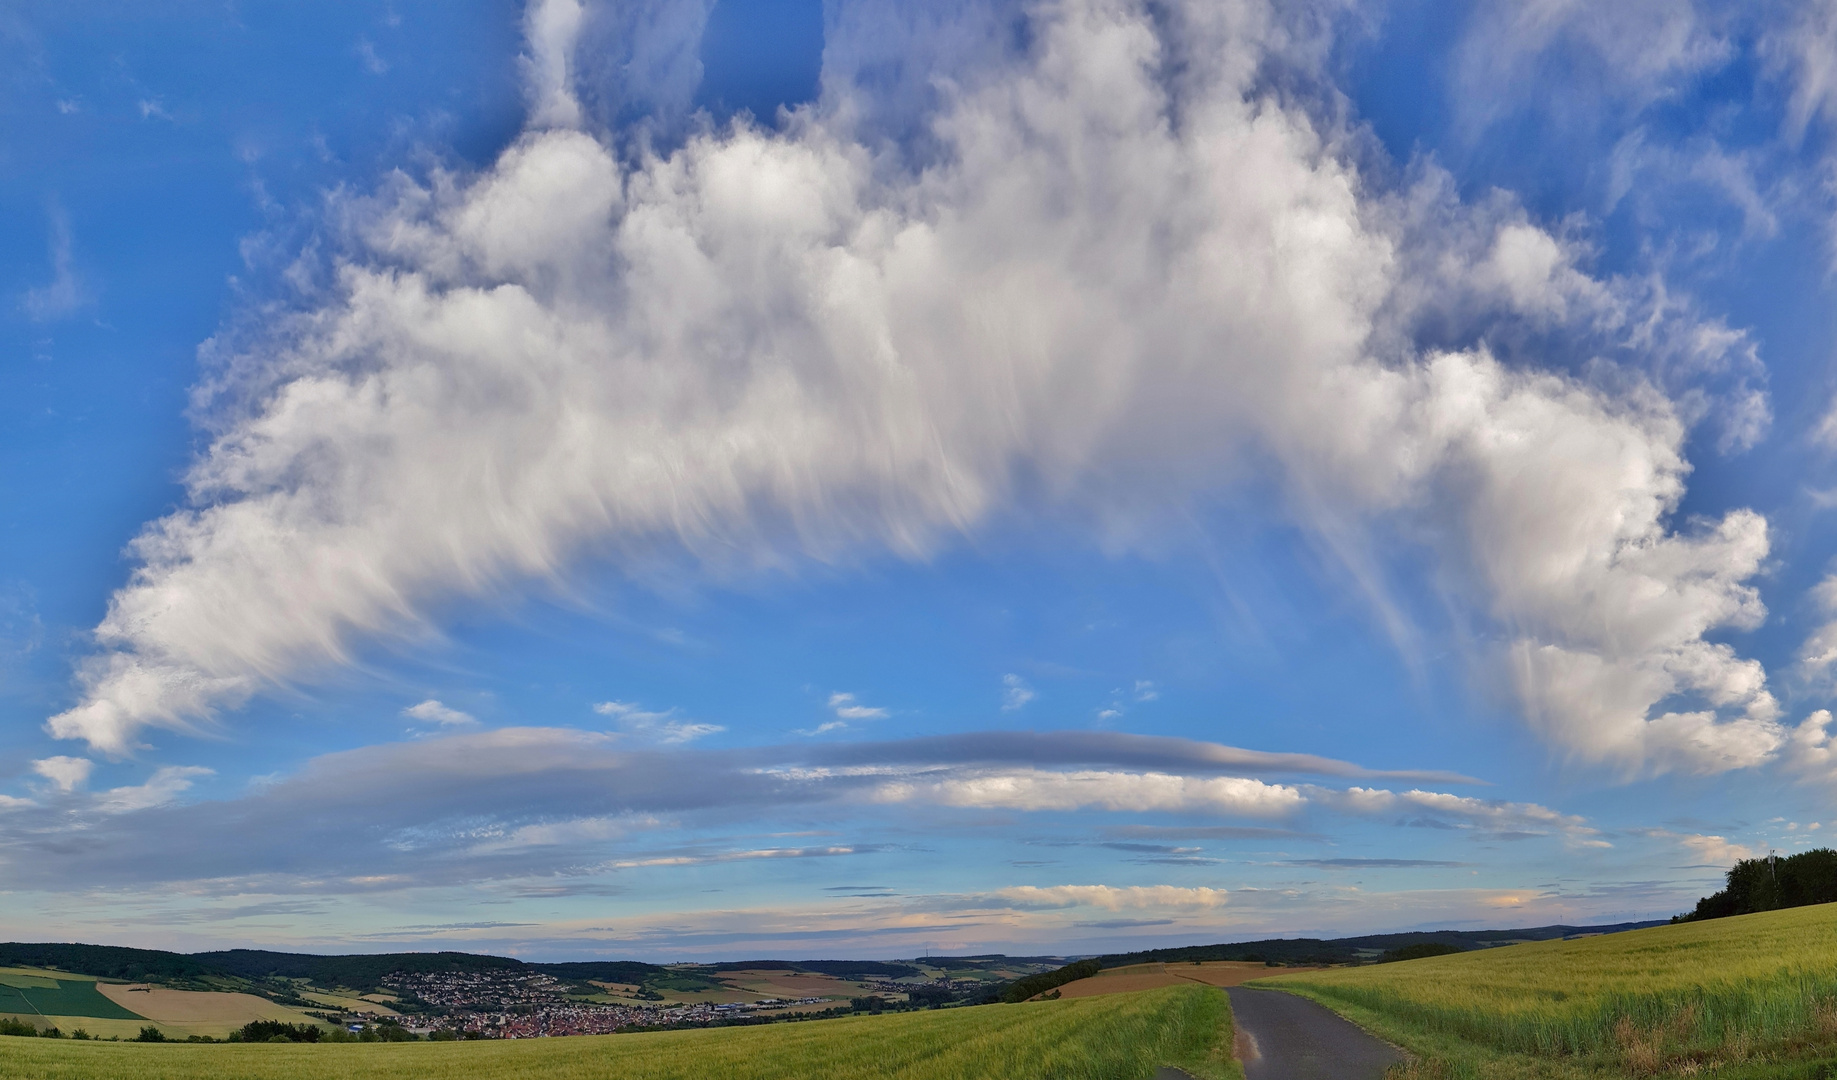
(1720, 992)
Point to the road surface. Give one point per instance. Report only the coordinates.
(1285, 1037)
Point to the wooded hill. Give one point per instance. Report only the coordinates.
(1353, 950)
(264, 971)
(363, 971)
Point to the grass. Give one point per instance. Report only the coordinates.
(1750, 996)
(1112, 1038)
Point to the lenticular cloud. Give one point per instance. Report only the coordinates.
(1117, 266)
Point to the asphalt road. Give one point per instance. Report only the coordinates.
(1284, 1037)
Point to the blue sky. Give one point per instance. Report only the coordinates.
(682, 480)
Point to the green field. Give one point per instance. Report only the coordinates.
(1750, 996)
(1123, 1037)
(34, 995)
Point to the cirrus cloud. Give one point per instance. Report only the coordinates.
(1038, 789)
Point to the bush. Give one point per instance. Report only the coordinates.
(9, 1026)
(150, 1034)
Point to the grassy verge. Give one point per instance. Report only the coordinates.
(1205, 1049)
(1123, 1037)
(1747, 997)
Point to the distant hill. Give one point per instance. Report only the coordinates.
(1351, 950)
(841, 969)
(365, 971)
(359, 971)
(107, 961)
(983, 961)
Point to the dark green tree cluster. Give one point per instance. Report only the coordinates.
(276, 1031)
(1022, 989)
(1810, 877)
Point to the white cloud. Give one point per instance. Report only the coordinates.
(1804, 49)
(1015, 693)
(1115, 898)
(64, 294)
(736, 856)
(824, 728)
(433, 712)
(1560, 54)
(659, 727)
(67, 773)
(846, 708)
(765, 346)
(1818, 655)
(1038, 789)
(552, 28)
(1494, 815)
(1715, 850)
(1145, 691)
(367, 55)
(164, 786)
(153, 109)
(1812, 751)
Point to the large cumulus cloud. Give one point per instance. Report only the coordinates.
(1126, 265)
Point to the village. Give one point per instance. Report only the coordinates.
(515, 1005)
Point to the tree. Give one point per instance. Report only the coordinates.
(1810, 877)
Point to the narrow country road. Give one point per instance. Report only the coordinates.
(1285, 1037)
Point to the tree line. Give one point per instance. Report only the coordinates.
(1768, 884)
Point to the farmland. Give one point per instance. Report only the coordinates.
(1110, 1038)
(1124, 980)
(1748, 996)
(59, 999)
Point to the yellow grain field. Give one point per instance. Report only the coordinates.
(196, 1012)
(1112, 1038)
(1754, 992)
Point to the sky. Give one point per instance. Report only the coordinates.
(688, 480)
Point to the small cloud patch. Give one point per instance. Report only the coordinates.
(433, 712)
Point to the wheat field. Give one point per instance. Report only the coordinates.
(1751, 995)
(1124, 1037)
